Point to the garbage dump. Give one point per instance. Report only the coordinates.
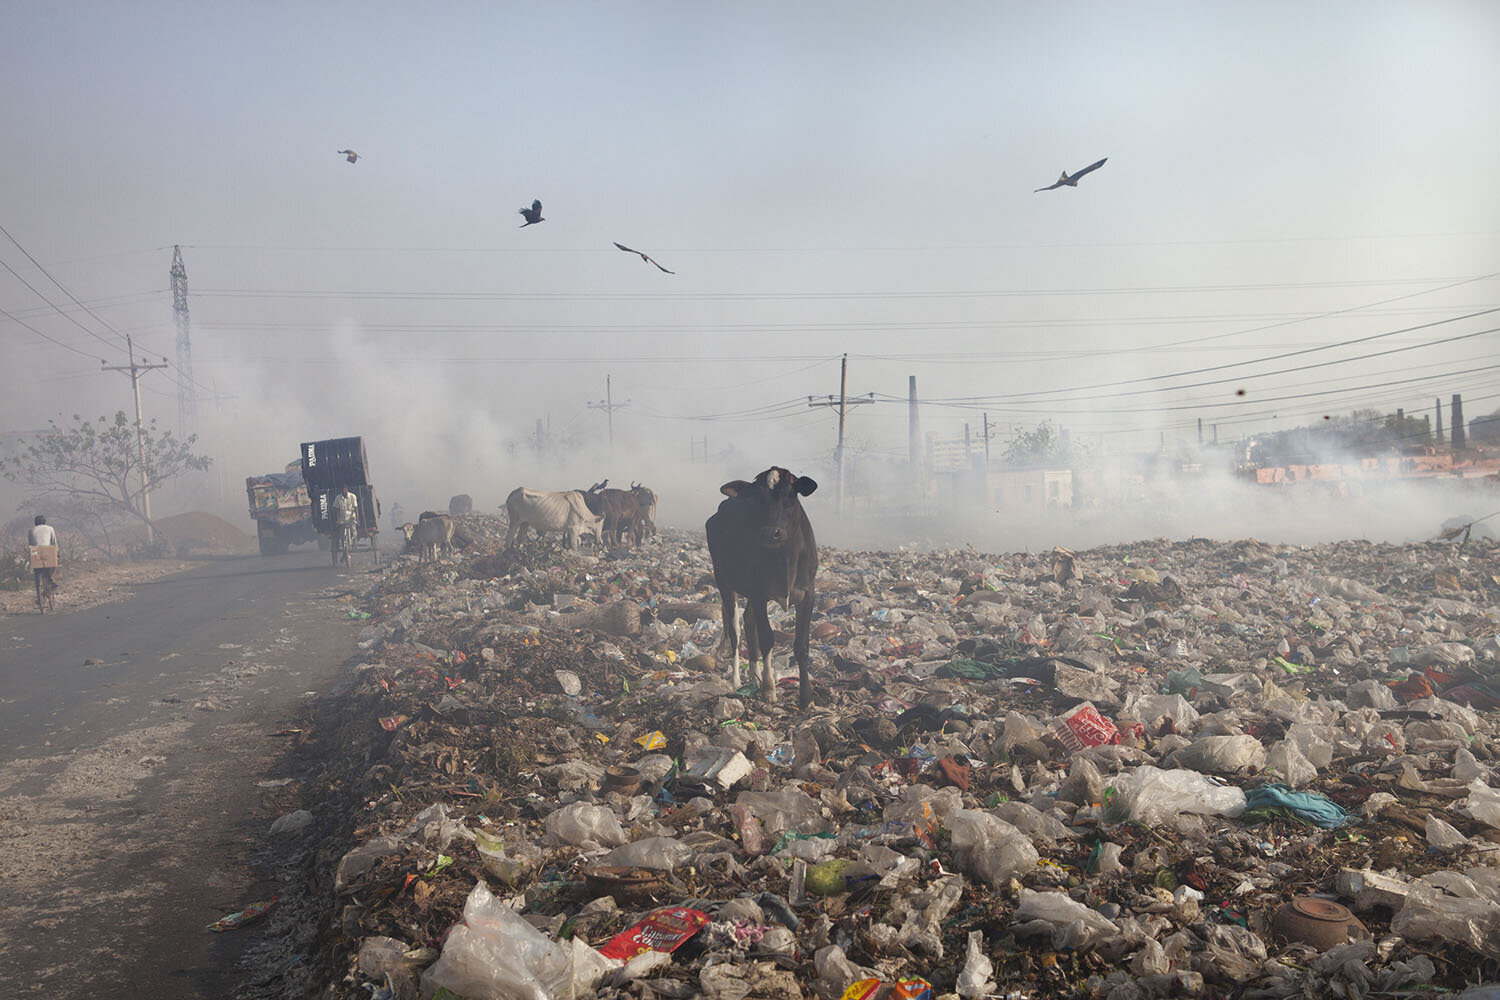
(1192, 768)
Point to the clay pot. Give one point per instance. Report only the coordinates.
(621, 778)
(1321, 923)
(626, 885)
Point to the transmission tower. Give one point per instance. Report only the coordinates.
(187, 398)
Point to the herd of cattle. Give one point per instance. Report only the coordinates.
(760, 541)
(611, 516)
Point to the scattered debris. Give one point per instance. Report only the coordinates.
(1135, 771)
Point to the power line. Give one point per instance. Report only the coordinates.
(981, 293)
(20, 322)
(1254, 361)
(37, 264)
(948, 247)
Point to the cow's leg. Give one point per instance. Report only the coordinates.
(752, 640)
(510, 534)
(799, 648)
(760, 628)
(729, 642)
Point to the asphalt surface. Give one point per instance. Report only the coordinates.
(132, 737)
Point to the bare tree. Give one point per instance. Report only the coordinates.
(96, 466)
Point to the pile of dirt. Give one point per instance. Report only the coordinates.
(198, 532)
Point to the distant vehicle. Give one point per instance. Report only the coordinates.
(282, 510)
(327, 467)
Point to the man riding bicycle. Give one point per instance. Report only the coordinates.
(41, 534)
(345, 522)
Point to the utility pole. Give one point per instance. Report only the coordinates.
(187, 393)
(914, 441)
(609, 406)
(986, 443)
(843, 403)
(135, 371)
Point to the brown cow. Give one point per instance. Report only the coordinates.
(619, 508)
(762, 546)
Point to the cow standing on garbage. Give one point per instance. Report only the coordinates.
(762, 546)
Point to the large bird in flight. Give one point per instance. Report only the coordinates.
(643, 257)
(1071, 180)
(349, 155)
(533, 215)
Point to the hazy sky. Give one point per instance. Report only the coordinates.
(824, 178)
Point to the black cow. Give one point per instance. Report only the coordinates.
(762, 546)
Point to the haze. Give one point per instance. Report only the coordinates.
(826, 179)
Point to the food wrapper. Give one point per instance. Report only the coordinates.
(252, 912)
(1082, 726)
(664, 930)
(654, 740)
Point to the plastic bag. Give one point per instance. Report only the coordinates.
(835, 971)
(785, 809)
(1073, 924)
(506, 864)
(1287, 760)
(752, 837)
(989, 847)
(494, 952)
(1151, 709)
(660, 853)
(583, 825)
(1443, 834)
(974, 981)
(1221, 754)
(1443, 654)
(1152, 796)
(1465, 768)
(1427, 914)
(1483, 803)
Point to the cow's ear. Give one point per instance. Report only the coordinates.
(735, 488)
(805, 485)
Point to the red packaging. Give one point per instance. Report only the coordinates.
(1082, 726)
(912, 989)
(664, 930)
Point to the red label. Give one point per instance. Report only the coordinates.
(664, 930)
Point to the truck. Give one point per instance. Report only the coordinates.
(282, 510)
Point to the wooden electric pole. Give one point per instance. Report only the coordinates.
(843, 403)
(135, 370)
(609, 406)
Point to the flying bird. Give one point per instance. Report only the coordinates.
(643, 257)
(533, 214)
(349, 155)
(1071, 180)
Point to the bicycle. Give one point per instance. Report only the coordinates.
(46, 589)
(343, 543)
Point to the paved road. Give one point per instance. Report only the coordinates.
(131, 739)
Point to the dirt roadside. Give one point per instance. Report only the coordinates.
(92, 584)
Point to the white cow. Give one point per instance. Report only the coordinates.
(543, 511)
(432, 533)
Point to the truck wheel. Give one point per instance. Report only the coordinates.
(268, 547)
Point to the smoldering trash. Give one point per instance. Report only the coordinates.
(1191, 768)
